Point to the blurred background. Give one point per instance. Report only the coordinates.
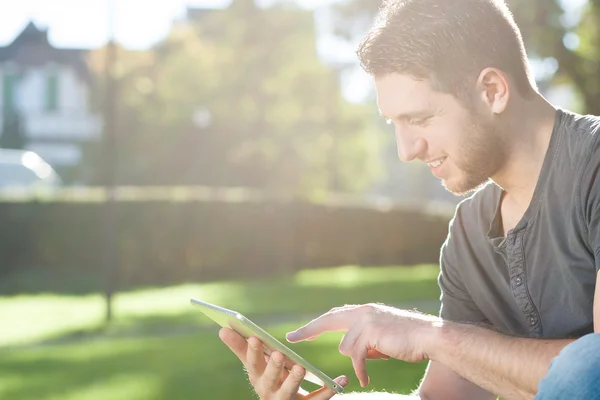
(228, 150)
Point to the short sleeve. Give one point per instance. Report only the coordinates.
(456, 302)
(590, 194)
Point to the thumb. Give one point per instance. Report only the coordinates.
(326, 393)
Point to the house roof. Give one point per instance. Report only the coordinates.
(31, 48)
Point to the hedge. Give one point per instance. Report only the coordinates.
(163, 241)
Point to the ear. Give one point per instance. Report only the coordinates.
(493, 86)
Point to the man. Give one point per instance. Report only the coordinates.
(519, 266)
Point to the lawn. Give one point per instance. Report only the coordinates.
(193, 366)
(160, 348)
(308, 293)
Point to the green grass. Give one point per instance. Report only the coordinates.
(47, 316)
(160, 347)
(190, 367)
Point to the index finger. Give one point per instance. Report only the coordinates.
(338, 319)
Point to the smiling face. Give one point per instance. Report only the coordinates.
(461, 145)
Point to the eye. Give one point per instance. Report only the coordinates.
(419, 122)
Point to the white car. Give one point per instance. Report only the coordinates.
(23, 169)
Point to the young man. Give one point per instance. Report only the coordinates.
(519, 266)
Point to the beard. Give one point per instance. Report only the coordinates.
(483, 153)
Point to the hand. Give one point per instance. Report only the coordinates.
(373, 331)
(267, 374)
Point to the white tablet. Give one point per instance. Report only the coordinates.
(242, 325)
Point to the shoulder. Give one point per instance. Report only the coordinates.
(582, 141)
(579, 134)
(576, 152)
(579, 123)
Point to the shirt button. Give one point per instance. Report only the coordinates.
(518, 281)
(532, 320)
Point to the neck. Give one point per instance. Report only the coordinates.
(528, 129)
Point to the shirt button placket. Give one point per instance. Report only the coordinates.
(519, 289)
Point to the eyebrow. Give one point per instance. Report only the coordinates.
(408, 115)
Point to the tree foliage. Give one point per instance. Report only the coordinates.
(277, 117)
(570, 36)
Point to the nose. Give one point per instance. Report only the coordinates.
(409, 146)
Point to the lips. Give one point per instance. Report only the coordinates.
(436, 163)
(437, 167)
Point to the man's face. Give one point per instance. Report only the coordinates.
(461, 146)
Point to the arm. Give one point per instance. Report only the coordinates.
(590, 212)
(439, 383)
(506, 366)
(509, 366)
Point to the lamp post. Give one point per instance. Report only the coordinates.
(110, 255)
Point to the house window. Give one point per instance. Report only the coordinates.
(8, 96)
(51, 92)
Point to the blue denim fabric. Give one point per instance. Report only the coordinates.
(575, 373)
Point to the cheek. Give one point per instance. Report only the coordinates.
(444, 141)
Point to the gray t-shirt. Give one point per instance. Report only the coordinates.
(539, 280)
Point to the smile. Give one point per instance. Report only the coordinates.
(436, 163)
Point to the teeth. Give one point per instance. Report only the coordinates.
(436, 163)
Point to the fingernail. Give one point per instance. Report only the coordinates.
(342, 380)
(291, 336)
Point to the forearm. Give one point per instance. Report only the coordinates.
(508, 366)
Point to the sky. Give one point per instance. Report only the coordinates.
(138, 24)
(85, 23)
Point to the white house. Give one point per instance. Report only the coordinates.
(49, 88)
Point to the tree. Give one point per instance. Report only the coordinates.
(571, 37)
(277, 115)
(130, 72)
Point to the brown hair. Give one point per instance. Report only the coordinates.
(448, 42)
